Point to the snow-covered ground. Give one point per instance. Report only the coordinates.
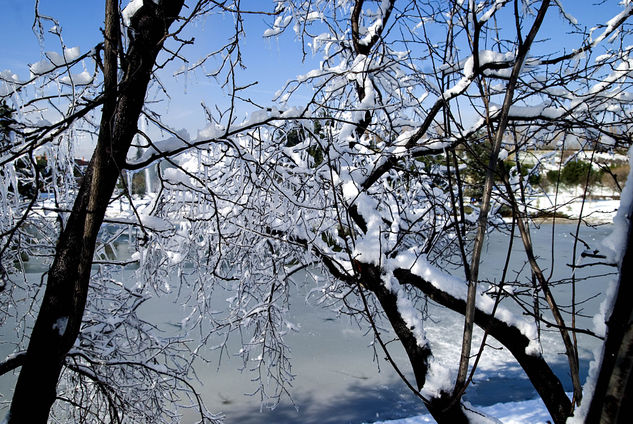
(525, 412)
(599, 208)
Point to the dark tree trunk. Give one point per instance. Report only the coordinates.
(418, 355)
(58, 322)
(443, 408)
(612, 399)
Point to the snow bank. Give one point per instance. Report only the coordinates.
(524, 412)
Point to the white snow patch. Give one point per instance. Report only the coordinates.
(376, 27)
(71, 54)
(164, 147)
(368, 248)
(439, 379)
(600, 319)
(175, 176)
(82, 78)
(8, 82)
(567, 16)
(411, 317)
(53, 60)
(498, 5)
(130, 10)
(614, 244)
(271, 32)
(155, 223)
(350, 191)
(523, 412)
(588, 388)
(603, 57)
(211, 132)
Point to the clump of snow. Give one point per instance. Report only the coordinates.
(255, 117)
(411, 317)
(567, 16)
(350, 191)
(71, 54)
(439, 379)
(367, 248)
(130, 10)
(603, 57)
(175, 176)
(613, 23)
(486, 16)
(82, 78)
(615, 243)
(271, 32)
(211, 132)
(155, 223)
(542, 110)
(56, 59)
(8, 82)
(485, 57)
(292, 112)
(376, 27)
(279, 26)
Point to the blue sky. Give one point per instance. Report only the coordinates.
(82, 19)
(270, 61)
(81, 22)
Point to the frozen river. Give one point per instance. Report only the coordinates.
(338, 378)
(339, 381)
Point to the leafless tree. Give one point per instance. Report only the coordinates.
(404, 91)
(83, 348)
(367, 184)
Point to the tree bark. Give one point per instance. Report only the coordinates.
(59, 319)
(418, 355)
(443, 408)
(612, 397)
